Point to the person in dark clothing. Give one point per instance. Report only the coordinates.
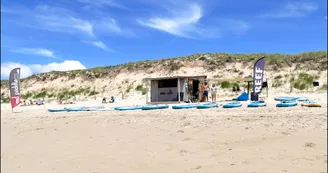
(234, 89)
(206, 89)
(112, 99)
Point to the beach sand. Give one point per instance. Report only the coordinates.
(242, 140)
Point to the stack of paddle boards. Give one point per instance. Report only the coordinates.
(311, 103)
(287, 103)
(207, 105)
(95, 108)
(154, 107)
(128, 108)
(283, 98)
(257, 104)
(57, 110)
(186, 106)
(76, 109)
(232, 105)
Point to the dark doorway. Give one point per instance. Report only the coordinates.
(195, 89)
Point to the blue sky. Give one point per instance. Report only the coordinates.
(45, 35)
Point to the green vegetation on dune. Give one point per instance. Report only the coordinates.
(308, 61)
(63, 94)
(226, 85)
(304, 81)
(323, 87)
(278, 81)
(5, 99)
(212, 61)
(142, 89)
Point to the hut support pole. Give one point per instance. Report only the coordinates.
(248, 88)
(267, 88)
(178, 90)
(146, 91)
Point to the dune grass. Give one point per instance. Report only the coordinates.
(278, 81)
(304, 81)
(228, 85)
(142, 89)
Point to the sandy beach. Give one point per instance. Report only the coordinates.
(264, 140)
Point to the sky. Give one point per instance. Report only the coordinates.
(46, 35)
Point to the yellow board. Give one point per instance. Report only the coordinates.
(312, 105)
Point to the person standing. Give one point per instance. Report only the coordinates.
(213, 92)
(206, 89)
(201, 92)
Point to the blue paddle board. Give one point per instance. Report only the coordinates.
(232, 105)
(256, 104)
(154, 107)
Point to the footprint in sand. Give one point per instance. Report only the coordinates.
(310, 144)
(285, 133)
(182, 152)
(198, 167)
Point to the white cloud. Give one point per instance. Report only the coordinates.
(65, 24)
(8, 66)
(35, 51)
(28, 70)
(183, 23)
(291, 10)
(99, 44)
(64, 66)
(102, 3)
(111, 26)
(52, 18)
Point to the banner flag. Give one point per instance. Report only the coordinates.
(14, 85)
(258, 76)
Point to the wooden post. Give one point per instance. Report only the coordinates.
(248, 88)
(178, 90)
(267, 88)
(146, 91)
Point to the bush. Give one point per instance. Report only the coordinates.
(139, 87)
(5, 99)
(41, 94)
(128, 89)
(142, 89)
(226, 84)
(27, 95)
(304, 81)
(93, 92)
(174, 65)
(71, 93)
(277, 83)
(278, 77)
(323, 87)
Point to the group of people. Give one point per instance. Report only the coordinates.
(31, 102)
(112, 100)
(65, 102)
(205, 89)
